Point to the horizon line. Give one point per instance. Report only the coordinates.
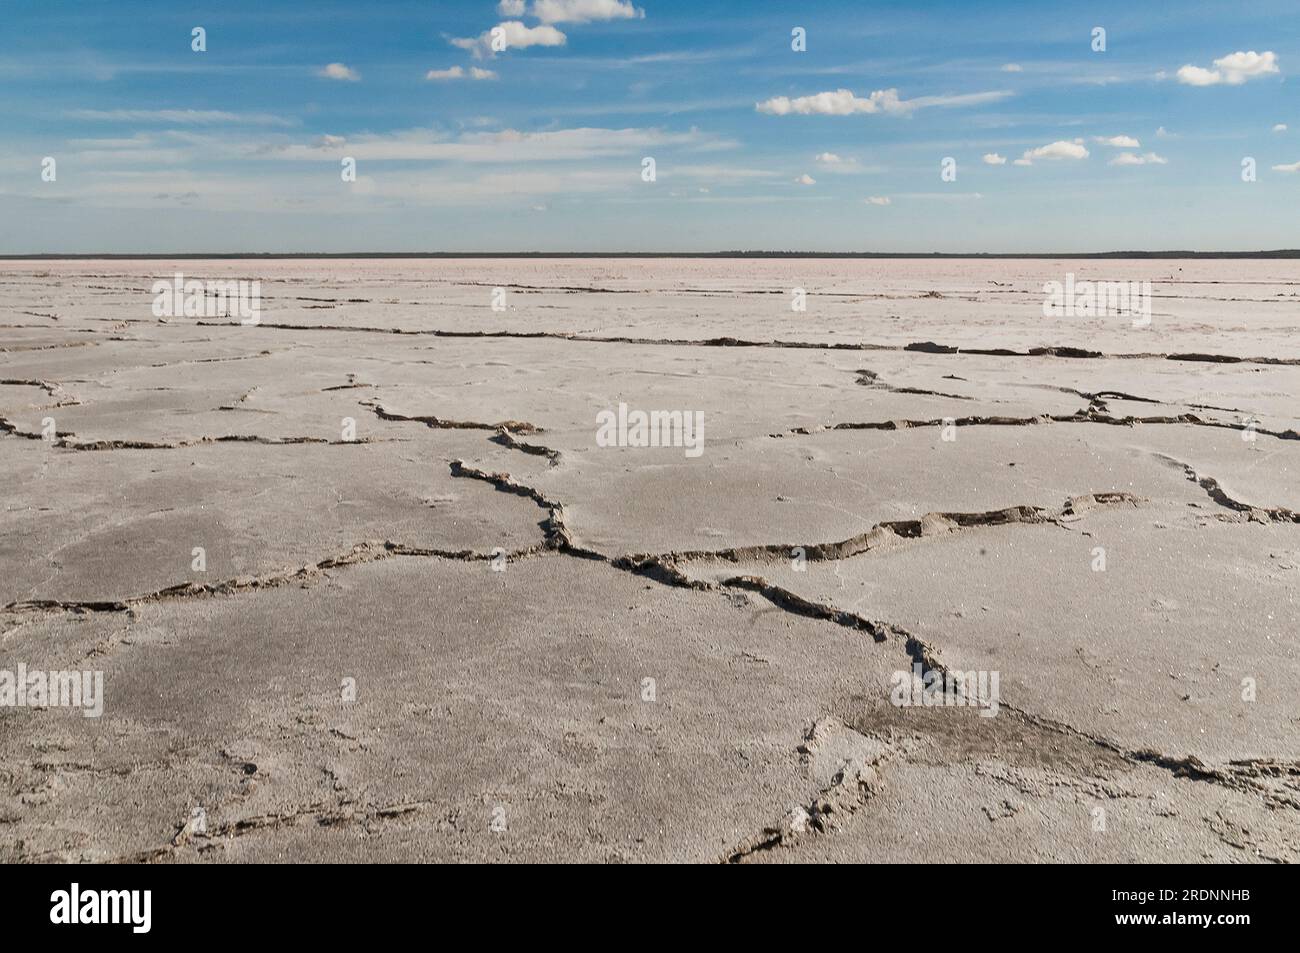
(1274, 254)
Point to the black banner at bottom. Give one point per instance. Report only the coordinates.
(333, 903)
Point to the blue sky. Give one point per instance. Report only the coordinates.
(159, 148)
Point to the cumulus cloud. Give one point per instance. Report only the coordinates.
(1280, 127)
(828, 158)
(1119, 142)
(581, 11)
(511, 8)
(1293, 167)
(339, 71)
(1012, 68)
(1239, 67)
(843, 102)
(805, 179)
(1198, 76)
(1061, 149)
(877, 200)
(517, 36)
(992, 158)
(1147, 158)
(1231, 70)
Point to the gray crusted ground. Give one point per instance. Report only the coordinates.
(566, 652)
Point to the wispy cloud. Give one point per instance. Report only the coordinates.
(1147, 158)
(507, 145)
(837, 164)
(459, 72)
(843, 102)
(197, 117)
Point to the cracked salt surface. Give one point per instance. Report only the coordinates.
(501, 591)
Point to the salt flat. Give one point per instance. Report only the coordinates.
(364, 584)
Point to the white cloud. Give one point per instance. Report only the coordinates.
(447, 185)
(457, 72)
(195, 117)
(1061, 149)
(1280, 127)
(992, 158)
(339, 71)
(1239, 67)
(507, 145)
(1163, 133)
(877, 200)
(842, 102)
(511, 8)
(1119, 142)
(1147, 158)
(842, 165)
(1012, 68)
(1232, 70)
(805, 179)
(1198, 76)
(517, 36)
(582, 11)
(1293, 167)
(715, 173)
(453, 189)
